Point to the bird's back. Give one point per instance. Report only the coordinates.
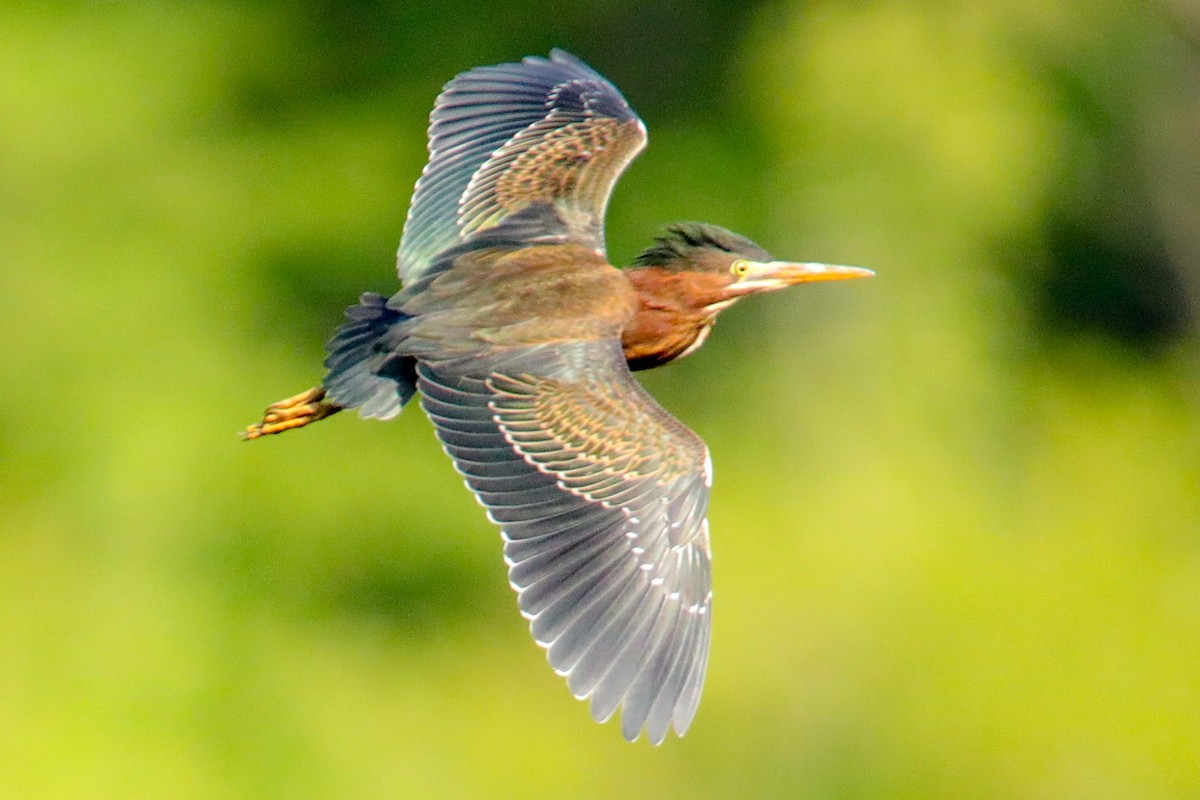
(512, 295)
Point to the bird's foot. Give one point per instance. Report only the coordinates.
(293, 412)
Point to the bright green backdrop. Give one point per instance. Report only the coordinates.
(957, 507)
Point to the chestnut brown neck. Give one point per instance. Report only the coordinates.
(676, 311)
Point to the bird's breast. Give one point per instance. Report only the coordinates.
(658, 335)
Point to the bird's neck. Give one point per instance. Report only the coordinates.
(672, 320)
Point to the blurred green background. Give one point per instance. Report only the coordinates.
(957, 507)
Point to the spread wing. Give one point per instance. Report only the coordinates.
(601, 496)
(504, 137)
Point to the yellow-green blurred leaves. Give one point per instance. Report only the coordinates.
(954, 556)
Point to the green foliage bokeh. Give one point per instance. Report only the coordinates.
(956, 517)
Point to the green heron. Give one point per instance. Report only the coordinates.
(520, 337)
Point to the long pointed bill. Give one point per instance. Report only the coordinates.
(770, 275)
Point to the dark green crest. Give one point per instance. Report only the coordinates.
(680, 246)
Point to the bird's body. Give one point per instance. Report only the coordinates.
(519, 338)
(523, 295)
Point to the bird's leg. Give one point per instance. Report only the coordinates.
(293, 412)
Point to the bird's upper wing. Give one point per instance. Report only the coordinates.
(601, 496)
(503, 137)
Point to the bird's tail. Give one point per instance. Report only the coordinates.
(364, 372)
(364, 369)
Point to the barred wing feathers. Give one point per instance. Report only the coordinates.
(501, 138)
(601, 497)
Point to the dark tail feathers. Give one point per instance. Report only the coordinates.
(365, 372)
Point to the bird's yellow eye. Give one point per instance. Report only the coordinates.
(740, 268)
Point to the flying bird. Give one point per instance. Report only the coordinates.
(519, 338)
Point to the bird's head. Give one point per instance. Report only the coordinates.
(712, 267)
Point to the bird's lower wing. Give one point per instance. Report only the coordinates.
(601, 497)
